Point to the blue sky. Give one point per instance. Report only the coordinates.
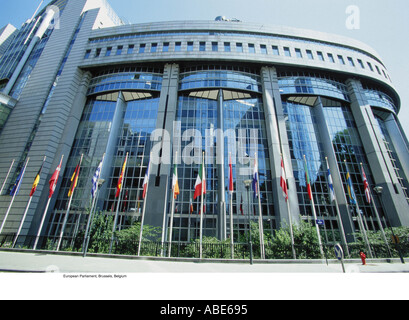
(384, 25)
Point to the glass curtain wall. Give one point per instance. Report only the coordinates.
(205, 105)
(137, 123)
(348, 146)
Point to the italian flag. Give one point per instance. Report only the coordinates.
(307, 178)
(175, 185)
(200, 185)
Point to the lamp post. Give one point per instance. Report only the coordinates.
(247, 184)
(379, 190)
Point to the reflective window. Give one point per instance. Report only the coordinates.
(154, 47)
(276, 51)
(178, 46)
(348, 146)
(287, 52)
(108, 52)
(131, 47)
(331, 57)
(219, 78)
(215, 46)
(298, 53)
(227, 47)
(202, 46)
(310, 55)
(320, 55)
(119, 50)
(120, 79)
(190, 46)
(87, 54)
(165, 47)
(252, 49)
(351, 62)
(142, 47)
(263, 49)
(302, 83)
(341, 59)
(239, 47)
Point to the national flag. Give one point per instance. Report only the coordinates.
(330, 184)
(350, 187)
(255, 178)
(191, 206)
(125, 202)
(175, 186)
(146, 181)
(74, 179)
(17, 184)
(366, 185)
(307, 179)
(54, 179)
(283, 181)
(95, 179)
(121, 178)
(200, 185)
(231, 185)
(37, 180)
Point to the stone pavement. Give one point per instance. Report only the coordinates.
(42, 262)
(27, 275)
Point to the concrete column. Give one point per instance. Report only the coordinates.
(329, 151)
(399, 142)
(220, 169)
(111, 147)
(393, 200)
(160, 179)
(278, 144)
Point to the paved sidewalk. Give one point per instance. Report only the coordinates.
(42, 262)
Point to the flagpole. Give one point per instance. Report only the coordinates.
(377, 215)
(172, 214)
(91, 213)
(201, 209)
(28, 205)
(76, 177)
(315, 217)
(290, 219)
(118, 204)
(144, 206)
(14, 196)
(5, 180)
(231, 189)
(358, 213)
(344, 239)
(261, 226)
(45, 211)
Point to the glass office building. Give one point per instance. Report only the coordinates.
(164, 93)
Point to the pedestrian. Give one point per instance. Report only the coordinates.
(363, 257)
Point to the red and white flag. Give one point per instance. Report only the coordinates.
(366, 185)
(283, 181)
(146, 181)
(54, 179)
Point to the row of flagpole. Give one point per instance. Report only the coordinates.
(200, 190)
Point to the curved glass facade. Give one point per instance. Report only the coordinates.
(220, 79)
(310, 85)
(126, 80)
